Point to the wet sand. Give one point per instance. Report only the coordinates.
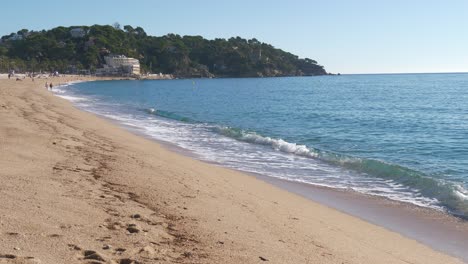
(78, 189)
(437, 229)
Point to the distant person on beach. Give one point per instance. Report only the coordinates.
(51, 86)
(9, 75)
(47, 85)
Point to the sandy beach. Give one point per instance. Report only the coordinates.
(78, 189)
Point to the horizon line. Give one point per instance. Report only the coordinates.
(382, 73)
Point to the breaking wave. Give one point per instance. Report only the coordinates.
(453, 197)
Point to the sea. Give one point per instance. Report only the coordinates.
(403, 137)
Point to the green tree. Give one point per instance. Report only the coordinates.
(181, 55)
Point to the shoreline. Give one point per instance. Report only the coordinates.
(451, 232)
(440, 230)
(189, 211)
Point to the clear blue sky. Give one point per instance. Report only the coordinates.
(347, 36)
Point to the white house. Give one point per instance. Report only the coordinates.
(77, 32)
(16, 37)
(119, 64)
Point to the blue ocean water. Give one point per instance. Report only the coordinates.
(402, 136)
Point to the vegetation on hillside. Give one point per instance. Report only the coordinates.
(184, 56)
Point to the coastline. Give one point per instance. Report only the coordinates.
(193, 212)
(439, 230)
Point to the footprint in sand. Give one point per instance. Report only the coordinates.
(10, 258)
(128, 261)
(94, 255)
(133, 228)
(7, 256)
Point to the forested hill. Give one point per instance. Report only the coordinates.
(68, 49)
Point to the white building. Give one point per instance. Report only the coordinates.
(119, 65)
(77, 32)
(16, 37)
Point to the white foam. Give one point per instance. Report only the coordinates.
(61, 91)
(58, 90)
(268, 156)
(461, 192)
(256, 159)
(276, 144)
(73, 98)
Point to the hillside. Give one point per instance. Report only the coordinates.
(71, 49)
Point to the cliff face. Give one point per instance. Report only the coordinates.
(69, 49)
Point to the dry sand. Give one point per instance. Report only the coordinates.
(77, 189)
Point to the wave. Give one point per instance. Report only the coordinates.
(276, 144)
(72, 98)
(61, 91)
(166, 114)
(449, 195)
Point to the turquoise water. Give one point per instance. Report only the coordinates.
(404, 137)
